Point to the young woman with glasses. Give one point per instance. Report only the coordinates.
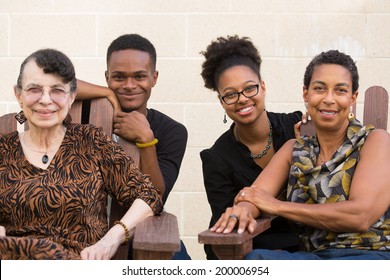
(232, 69)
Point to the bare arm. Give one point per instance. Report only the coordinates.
(135, 127)
(369, 195)
(106, 247)
(87, 90)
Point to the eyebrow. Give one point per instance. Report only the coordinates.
(38, 85)
(338, 84)
(245, 84)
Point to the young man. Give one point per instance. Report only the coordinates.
(131, 74)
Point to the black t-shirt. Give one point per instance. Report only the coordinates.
(228, 167)
(172, 140)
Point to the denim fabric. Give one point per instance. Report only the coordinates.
(327, 254)
(181, 255)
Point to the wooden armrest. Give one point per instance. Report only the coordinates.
(233, 246)
(156, 238)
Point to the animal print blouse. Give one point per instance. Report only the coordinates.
(57, 212)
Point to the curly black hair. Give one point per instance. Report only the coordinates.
(225, 53)
(333, 57)
(52, 62)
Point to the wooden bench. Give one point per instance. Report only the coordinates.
(236, 246)
(155, 238)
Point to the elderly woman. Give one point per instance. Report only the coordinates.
(56, 176)
(338, 181)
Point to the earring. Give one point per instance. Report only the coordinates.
(20, 117)
(351, 115)
(67, 120)
(224, 118)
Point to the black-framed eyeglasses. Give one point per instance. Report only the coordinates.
(233, 97)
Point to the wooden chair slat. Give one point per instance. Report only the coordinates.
(376, 103)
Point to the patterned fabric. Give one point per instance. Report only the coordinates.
(330, 183)
(65, 205)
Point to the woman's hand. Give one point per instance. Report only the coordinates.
(238, 214)
(258, 197)
(297, 126)
(2, 231)
(104, 249)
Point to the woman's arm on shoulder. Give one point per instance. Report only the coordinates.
(87, 90)
(275, 174)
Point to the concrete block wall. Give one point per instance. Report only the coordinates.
(288, 34)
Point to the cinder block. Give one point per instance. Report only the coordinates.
(204, 28)
(4, 35)
(205, 124)
(276, 6)
(180, 81)
(26, 6)
(319, 32)
(190, 177)
(197, 213)
(72, 34)
(9, 71)
(145, 6)
(283, 78)
(90, 69)
(378, 38)
(166, 32)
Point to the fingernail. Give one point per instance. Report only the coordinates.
(304, 121)
(240, 230)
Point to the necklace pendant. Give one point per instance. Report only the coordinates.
(45, 159)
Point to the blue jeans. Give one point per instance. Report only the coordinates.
(181, 255)
(327, 254)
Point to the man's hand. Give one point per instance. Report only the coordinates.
(133, 127)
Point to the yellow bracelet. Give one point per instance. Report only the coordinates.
(126, 231)
(148, 144)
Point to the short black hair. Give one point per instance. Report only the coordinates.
(333, 57)
(225, 53)
(52, 62)
(133, 42)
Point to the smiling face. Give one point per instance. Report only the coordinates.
(131, 76)
(45, 109)
(237, 79)
(330, 96)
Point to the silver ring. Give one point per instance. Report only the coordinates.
(243, 193)
(233, 216)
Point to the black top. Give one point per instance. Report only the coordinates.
(228, 167)
(172, 140)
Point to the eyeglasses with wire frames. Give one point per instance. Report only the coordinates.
(233, 97)
(35, 92)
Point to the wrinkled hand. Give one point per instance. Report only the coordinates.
(233, 215)
(133, 126)
(2, 231)
(102, 250)
(258, 197)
